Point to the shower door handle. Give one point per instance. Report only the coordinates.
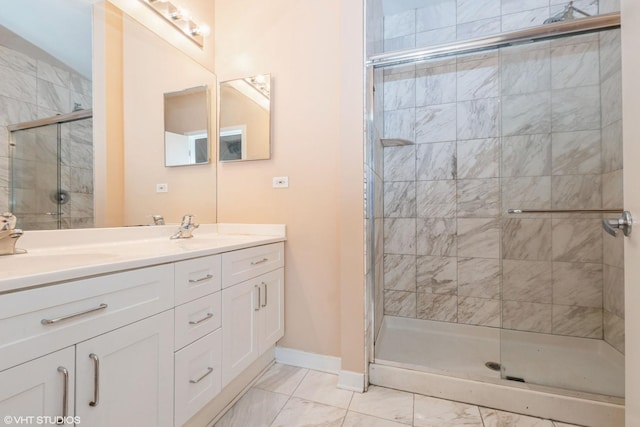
(624, 223)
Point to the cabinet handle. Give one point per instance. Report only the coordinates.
(265, 294)
(207, 317)
(259, 299)
(65, 394)
(202, 279)
(96, 380)
(71, 316)
(259, 262)
(209, 370)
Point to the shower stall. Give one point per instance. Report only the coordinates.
(51, 164)
(493, 156)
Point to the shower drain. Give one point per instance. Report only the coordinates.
(494, 366)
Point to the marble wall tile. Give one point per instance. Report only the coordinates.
(526, 239)
(613, 249)
(52, 96)
(577, 321)
(440, 307)
(400, 236)
(575, 153)
(526, 155)
(399, 90)
(4, 172)
(526, 316)
(479, 118)
(479, 237)
(525, 19)
(436, 161)
(53, 74)
(399, 163)
(400, 124)
(81, 155)
(576, 191)
(576, 109)
(17, 61)
(576, 240)
(436, 14)
(436, 37)
(532, 192)
(400, 24)
(436, 236)
(80, 84)
(437, 275)
(513, 6)
(614, 331)
(398, 303)
(18, 85)
(378, 196)
(526, 114)
(400, 273)
(400, 199)
(526, 69)
(81, 131)
(582, 38)
(613, 300)
(24, 173)
(589, 6)
(82, 205)
(479, 311)
(608, 6)
(436, 85)
(479, 28)
(478, 79)
(4, 200)
(399, 43)
(433, 412)
(436, 199)
(77, 100)
(436, 123)
(15, 111)
(575, 65)
(474, 10)
(478, 198)
(479, 277)
(82, 180)
(528, 281)
(577, 284)
(612, 190)
(612, 147)
(478, 158)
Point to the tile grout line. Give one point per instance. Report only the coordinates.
(289, 398)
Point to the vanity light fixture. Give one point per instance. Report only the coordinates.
(180, 18)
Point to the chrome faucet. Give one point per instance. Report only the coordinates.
(9, 234)
(157, 219)
(186, 228)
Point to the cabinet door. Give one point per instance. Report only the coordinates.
(37, 388)
(125, 377)
(271, 314)
(239, 331)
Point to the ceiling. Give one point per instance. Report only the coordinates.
(61, 28)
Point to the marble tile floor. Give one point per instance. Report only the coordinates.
(288, 396)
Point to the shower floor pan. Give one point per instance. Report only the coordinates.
(573, 364)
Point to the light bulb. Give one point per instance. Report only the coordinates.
(202, 30)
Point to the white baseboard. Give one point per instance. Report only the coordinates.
(317, 362)
(349, 380)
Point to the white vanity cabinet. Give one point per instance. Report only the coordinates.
(252, 310)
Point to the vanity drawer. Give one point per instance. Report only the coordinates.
(39, 321)
(196, 319)
(238, 266)
(198, 377)
(196, 278)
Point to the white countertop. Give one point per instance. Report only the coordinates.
(62, 255)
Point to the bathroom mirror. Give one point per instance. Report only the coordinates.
(245, 119)
(186, 127)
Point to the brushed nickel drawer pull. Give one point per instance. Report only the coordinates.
(74, 315)
(259, 298)
(207, 317)
(209, 370)
(96, 380)
(202, 279)
(259, 262)
(266, 288)
(65, 393)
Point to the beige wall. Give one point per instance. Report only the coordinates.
(313, 51)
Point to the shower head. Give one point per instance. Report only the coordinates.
(566, 14)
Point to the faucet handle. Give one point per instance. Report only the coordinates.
(8, 221)
(157, 219)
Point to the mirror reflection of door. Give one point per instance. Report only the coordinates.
(186, 125)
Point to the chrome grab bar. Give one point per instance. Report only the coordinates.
(521, 211)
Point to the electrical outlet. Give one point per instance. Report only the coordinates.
(162, 188)
(280, 182)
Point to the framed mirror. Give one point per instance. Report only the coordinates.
(245, 119)
(186, 127)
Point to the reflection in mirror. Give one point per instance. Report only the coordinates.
(186, 127)
(245, 119)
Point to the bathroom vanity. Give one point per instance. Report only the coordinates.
(137, 329)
